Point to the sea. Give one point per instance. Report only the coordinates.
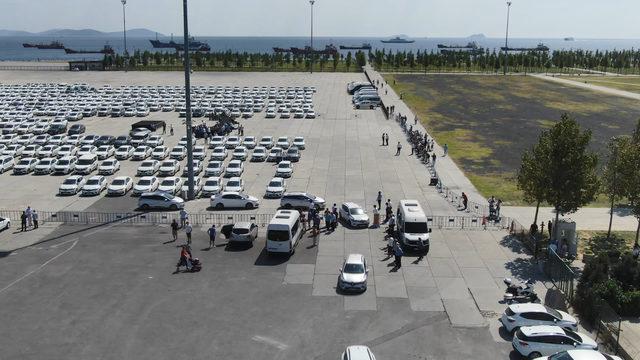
(11, 48)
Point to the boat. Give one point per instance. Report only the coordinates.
(397, 40)
(540, 47)
(105, 50)
(569, 39)
(193, 44)
(54, 45)
(364, 46)
(328, 50)
(470, 45)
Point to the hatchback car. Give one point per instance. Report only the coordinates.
(580, 354)
(243, 232)
(353, 274)
(529, 314)
(535, 341)
(353, 214)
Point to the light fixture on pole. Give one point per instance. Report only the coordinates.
(124, 26)
(311, 48)
(506, 39)
(187, 96)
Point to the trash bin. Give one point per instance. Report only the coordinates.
(376, 220)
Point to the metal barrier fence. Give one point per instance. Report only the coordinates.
(613, 331)
(560, 274)
(34, 68)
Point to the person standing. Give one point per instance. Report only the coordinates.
(212, 235)
(392, 224)
(29, 216)
(386, 139)
(174, 229)
(23, 221)
(188, 229)
(550, 228)
(383, 139)
(498, 205)
(465, 201)
(446, 149)
(399, 147)
(379, 199)
(164, 128)
(171, 130)
(183, 217)
(376, 217)
(415, 120)
(433, 158)
(303, 220)
(327, 220)
(397, 251)
(34, 215)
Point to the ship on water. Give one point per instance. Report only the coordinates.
(569, 39)
(364, 46)
(470, 45)
(105, 50)
(328, 50)
(397, 40)
(54, 45)
(540, 47)
(193, 44)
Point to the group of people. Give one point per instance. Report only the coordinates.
(494, 208)
(29, 219)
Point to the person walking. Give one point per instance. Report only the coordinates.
(399, 147)
(164, 128)
(397, 251)
(34, 215)
(379, 199)
(174, 229)
(465, 201)
(183, 217)
(433, 158)
(171, 130)
(188, 229)
(29, 216)
(212, 235)
(23, 221)
(446, 149)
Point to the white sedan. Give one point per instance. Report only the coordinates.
(197, 185)
(124, 152)
(71, 185)
(219, 153)
(235, 168)
(233, 200)
(169, 168)
(211, 186)
(141, 153)
(235, 184)
(276, 187)
(178, 152)
(146, 184)
(160, 153)
(284, 169)
(214, 168)
(94, 186)
(45, 166)
(171, 185)
(86, 150)
(148, 167)
(105, 151)
(25, 166)
(298, 142)
(109, 167)
(5, 223)
(120, 186)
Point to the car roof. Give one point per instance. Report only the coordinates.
(352, 205)
(355, 259)
(586, 354)
(527, 307)
(242, 225)
(358, 352)
(229, 192)
(95, 177)
(541, 330)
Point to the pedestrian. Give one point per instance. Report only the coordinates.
(171, 130)
(392, 224)
(382, 139)
(498, 205)
(212, 235)
(334, 209)
(174, 229)
(385, 91)
(399, 147)
(386, 211)
(188, 229)
(636, 251)
(376, 217)
(303, 220)
(386, 139)
(433, 159)
(398, 254)
(29, 216)
(542, 228)
(465, 200)
(23, 221)
(379, 199)
(334, 221)
(550, 228)
(412, 150)
(390, 241)
(415, 120)
(183, 217)
(327, 220)
(185, 258)
(164, 127)
(316, 223)
(309, 220)
(446, 149)
(34, 215)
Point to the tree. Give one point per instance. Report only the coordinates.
(632, 176)
(348, 60)
(571, 167)
(615, 181)
(532, 177)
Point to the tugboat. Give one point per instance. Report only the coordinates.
(397, 40)
(364, 46)
(105, 50)
(54, 45)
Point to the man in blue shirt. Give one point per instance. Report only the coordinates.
(212, 235)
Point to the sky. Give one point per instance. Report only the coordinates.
(613, 19)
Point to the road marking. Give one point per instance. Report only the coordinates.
(100, 229)
(271, 342)
(37, 269)
(64, 242)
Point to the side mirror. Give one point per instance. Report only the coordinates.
(368, 270)
(340, 270)
(430, 230)
(575, 344)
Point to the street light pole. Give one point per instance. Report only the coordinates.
(312, 53)
(506, 40)
(124, 25)
(187, 92)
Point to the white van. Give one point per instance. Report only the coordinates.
(87, 164)
(283, 232)
(412, 226)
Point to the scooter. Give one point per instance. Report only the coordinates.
(519, 293)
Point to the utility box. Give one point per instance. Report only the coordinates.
(567, 238)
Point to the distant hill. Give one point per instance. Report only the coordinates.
(477, 36)
(80, 32)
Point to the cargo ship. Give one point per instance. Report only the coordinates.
(105, 50)
(328, 50)
(364, 46)
(471, 45)
(193, 44)
(540, 47)
(54, 45)
(397, 40)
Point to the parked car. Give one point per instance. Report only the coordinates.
(579, 354)
(243, 232)
(171, 185)
(148, 167)
(357, 352)
(25, 166)
(72, 185)
(5, 223)
(235, 168)
(353, 273)
(276, 188)
(219, 153)
(298, 142)
(529, 314)
(266, 142)
(353, 214)
(301, 200)
(6, 163)
(235, 184)
(233, 200)
(160, 200)
(160, 153)
(145, 184)
(284, 169)
(124, 152)
(94, 186)
(120, 186)
(535, 341)
(214, 168)
(169, 167)
(109, 167)
(45, 166)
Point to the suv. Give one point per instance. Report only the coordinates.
(353, 215)
(301, 200)
(536, 341)
(357, 352)
(530, 314)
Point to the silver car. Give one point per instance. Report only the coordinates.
(243, 232)
(353, 274)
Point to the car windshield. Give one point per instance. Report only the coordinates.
(278, 235)
(258, 151)
(553, 312)
(415, 227)
(63, 162)
(561, 356)
(144, 182)
(356, 211)
(167, 163)
(275, 183)
(25, 162)
(283, 166)
(93, 182)
(353, 269)
(85, 161)
(118, 182)
(168, 182)
(240, 231)
(212, 183)
(233, 183)
(177, 150)
(147, 164)
(70, 181)
(108, 163)
(234, 165)
(45, 162)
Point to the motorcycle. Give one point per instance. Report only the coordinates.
(523, 293)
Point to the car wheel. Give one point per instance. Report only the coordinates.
(249, 206)
(173, 207)
(534, 355)
(357, 106)
(371, 107)
(219, 206)
(287, 206)
(145, 207)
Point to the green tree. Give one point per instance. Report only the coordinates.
(336, 60)
(614, 178)
(348, 60)
(632, 176)
(532, 177)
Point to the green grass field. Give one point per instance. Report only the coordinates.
(488, 121)
(626, 83)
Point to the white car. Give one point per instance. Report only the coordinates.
(160, 200)
(146, 184)
(232, 142)
(25, 139)
(353, 214)
(199, 152)
(94, 186)
(25, 166)
(285, 114)
(148, 167)
(72, 185)
(233, 200)
(5, 223)
(276, 188)
(283, 142)
(120, 186)
(49, 151)
(169, 167)
(298, 114)
(6, 163)
(160, 153)
(178, 152)
(183, 141)
(45, 166)
(58, 140)
(235, 184)
(259, 154)
(249, 142)
(89, 139)
(8, 139)
(310, 114)
(266, 142)
(109, 167)
(353, 274)
(301, 200)
(124, 152)
(41, 139)
(67, 150)
(357, 352)
(31, 151)
(74, 139)
(219, 153)
(65, 165)
(580, 354)
(240, 153)
(211, 186)
(197, 168)
(86, 150)
(197, 185)
(234, 168)
(155, 141)
(105, 151)
(141, 153)
(275, 154)
(518, 315)
(535, 341)
(270, 113)
(284, 169)
(214, 168)
(171, 185)
(14, 150)
(217, 141)
(298, 142)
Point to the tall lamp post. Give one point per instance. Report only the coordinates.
(187, 95)
(124, 26)
(506, 40)
(312, 53)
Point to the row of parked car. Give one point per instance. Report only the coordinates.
(365, 95)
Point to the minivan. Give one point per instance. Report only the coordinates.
(412, 227)
(283, 232)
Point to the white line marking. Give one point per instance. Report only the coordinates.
(271, 342)
(100, 229)
(38, 269)
(65, 242)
